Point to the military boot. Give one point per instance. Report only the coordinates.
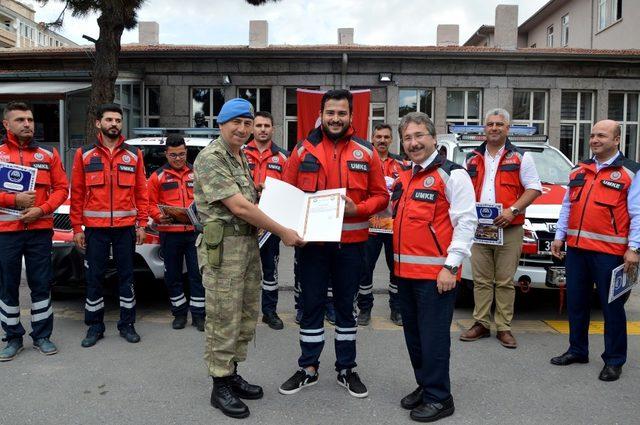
(242, 388)
(223, 398)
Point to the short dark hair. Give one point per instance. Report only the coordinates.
(340, 94)
(15, 106)
(108, 107)
(383, 126)
(174, 140)
(264, 114)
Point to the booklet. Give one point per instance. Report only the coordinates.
(180, 216)
(16, 178)
(382, 222)
(317, 217)
(622, 282)
(488, 233)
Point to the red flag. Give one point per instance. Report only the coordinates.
(309, 111)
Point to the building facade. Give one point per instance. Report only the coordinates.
(18, 28)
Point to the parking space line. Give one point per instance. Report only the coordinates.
(595, 327)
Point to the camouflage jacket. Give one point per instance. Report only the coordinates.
(219, 175)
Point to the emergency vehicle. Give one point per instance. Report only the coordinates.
(537, 267)
(68, 261)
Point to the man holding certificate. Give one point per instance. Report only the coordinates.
(172, 186)
(600, 222)
(331, 157)
(29, 193)
(433, 227)
(501, 174)
(109, 204)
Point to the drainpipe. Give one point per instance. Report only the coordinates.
(345, 62)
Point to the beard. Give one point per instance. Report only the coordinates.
(334, 136)
(106, 133)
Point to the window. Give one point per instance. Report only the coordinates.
(550, 36)
(624, 107)
(463, 107)
(377, 115)
(576, 120)
(127, 95)
(415, 100)
(530, 108)
(564, 36)
(260, 98)
(291, 116)
(152, 106)
(609, 12)
(206, 103)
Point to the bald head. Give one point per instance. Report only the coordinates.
(605, 139)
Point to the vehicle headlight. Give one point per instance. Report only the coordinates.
(529, 234)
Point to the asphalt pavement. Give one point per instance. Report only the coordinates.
(163, 379)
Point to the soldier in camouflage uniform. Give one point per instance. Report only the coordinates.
(228, 255)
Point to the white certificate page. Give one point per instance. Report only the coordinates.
(317, 217)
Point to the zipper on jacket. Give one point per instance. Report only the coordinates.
(584, 209)
(26, 226)
(111, 186)
(433, 234)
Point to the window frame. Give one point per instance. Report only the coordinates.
(564, 30)
(210, 118)
(147, 116)
(466, 120)
(291, 118)
(531, 121)
(577, 121)
(259, 90)
(550, 36)
(373, 121)
(625, 122)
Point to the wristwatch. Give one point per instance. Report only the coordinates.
(636, 249)
(515, 210)
(452, 269)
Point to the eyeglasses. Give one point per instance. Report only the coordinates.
(417, 136)
(177, 155)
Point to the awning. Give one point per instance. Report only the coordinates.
(44, 89)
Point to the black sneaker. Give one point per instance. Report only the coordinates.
(298, 381)
(351, 381)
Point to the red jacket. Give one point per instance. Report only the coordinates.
(168, 186)
(52, 187)
(317, 163)
(508, 188)
(268, 163)
(393, 166)
(422, 229)
(108, 189)
(598, 218)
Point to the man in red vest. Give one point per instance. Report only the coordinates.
(172, 185)
(433, 228)
(332, 157)
(108, 213)
(28, 232)
(600, 221)
(501, 174)
(266, 159)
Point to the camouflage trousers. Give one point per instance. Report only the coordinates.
(232, 305)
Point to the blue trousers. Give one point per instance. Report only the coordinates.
(35, 246)
(297, 286)
(269, 256)
(584, 268)
(373, 247)
(176, 248)
(100, 240)
(319, 264)
(426, 321)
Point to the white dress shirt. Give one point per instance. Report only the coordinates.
(528, 175)
(462, 213)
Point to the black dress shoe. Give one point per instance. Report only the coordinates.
(431, 412)
(412, 400)
(179, 322)
(223, 398)
(610, 373)
(129, 333)
(273, 321)
(243, 389)
(567, 359)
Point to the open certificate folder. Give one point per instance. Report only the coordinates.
(317, 217)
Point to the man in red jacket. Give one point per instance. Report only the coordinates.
(29, 233)
(332, 157)
(172, 185)
(109, 198)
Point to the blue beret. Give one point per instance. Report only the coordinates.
(235, 108)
